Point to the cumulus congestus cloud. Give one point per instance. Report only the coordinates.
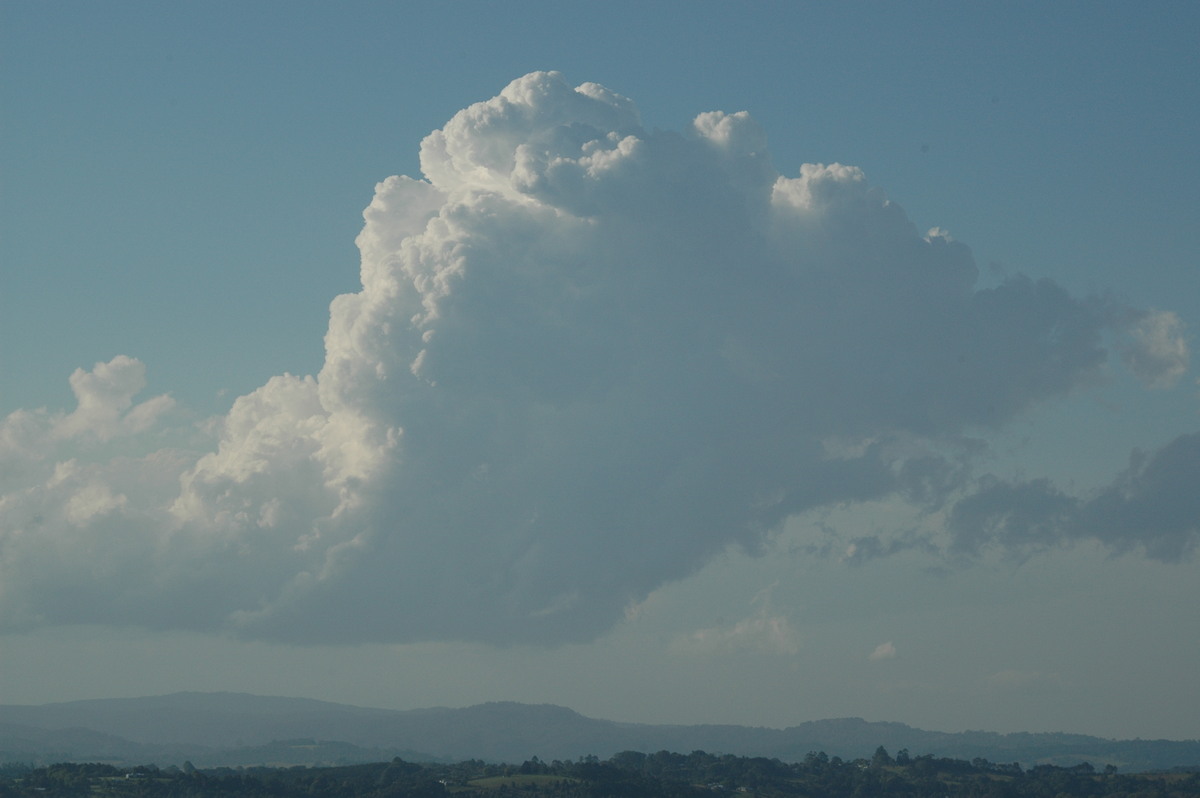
(586, 357)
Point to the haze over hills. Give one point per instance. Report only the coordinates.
(212, 729)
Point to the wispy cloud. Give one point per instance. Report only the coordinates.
(763, 631)
(1157, 350)
(1153, 507)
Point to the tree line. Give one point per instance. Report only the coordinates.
(629, 774)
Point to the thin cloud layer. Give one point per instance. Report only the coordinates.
(586, 358)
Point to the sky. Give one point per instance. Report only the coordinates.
(694, 363)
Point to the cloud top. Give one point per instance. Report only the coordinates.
(585, 358)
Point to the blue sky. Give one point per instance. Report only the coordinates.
(183, 186)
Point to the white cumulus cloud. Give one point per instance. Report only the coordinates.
(585, 358)
(1158, 351)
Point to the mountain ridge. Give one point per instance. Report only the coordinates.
(242, 728)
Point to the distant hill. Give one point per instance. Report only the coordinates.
(235, 729)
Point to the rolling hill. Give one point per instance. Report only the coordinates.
(237, 729)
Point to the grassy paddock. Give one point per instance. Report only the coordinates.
(518, 780)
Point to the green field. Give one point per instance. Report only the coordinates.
(518, 780)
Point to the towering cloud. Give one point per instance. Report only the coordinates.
(585, 358)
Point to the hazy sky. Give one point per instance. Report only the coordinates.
(707, 362)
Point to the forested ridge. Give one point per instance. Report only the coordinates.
(628, 774)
